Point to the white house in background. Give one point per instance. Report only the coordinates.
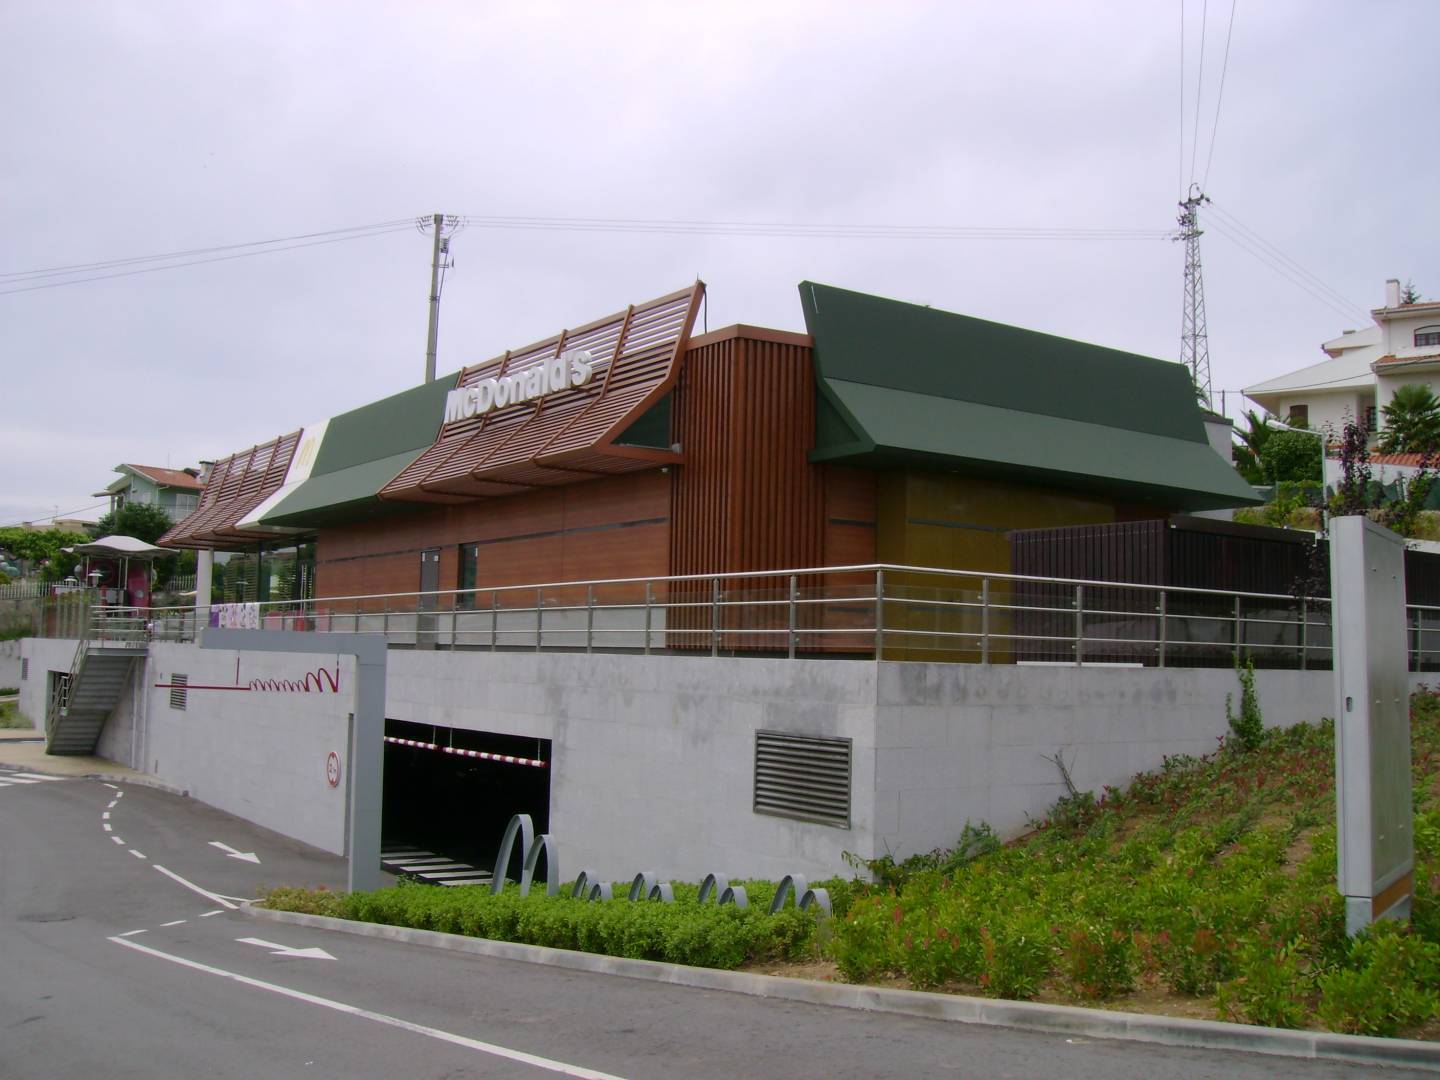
(1364, 369)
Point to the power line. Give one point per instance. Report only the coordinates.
(1264, 257)
(199, 262)
(108, 264)
(1228, 218)
(52, 517)
(1199, 90)
(1220, 96)
(827, 231)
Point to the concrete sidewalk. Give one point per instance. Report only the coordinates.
(24, 748)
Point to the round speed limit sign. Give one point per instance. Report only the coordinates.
(332, 769)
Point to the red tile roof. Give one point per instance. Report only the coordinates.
(1398, 459)
(168, 477)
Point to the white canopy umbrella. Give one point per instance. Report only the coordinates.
(123, 548)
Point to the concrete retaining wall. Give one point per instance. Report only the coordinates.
(653, 756)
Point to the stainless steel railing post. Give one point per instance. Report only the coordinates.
(1079, 625)
(985, 620)
(791, 650)
(879, 614)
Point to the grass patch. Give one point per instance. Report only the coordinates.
(10, 716)
(1203, 888)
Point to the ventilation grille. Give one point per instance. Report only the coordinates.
(801, 777)
(24, 668)
(179, 695)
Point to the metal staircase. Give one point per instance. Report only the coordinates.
(84, 699)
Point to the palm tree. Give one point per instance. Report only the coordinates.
(1252, 441)
(1412, 422)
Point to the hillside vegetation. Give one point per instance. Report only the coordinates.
(1204, 888)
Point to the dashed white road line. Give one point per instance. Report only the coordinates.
(111, 786)
(105, 816)
(207, 914)
(493, 1049)
(117, 840)
(136, 853)
(173, 922)
(31, 776)
(130, 933)
(108, 827)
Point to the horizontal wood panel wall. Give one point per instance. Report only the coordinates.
(605, 528)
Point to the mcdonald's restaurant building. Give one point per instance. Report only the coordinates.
(633, 447)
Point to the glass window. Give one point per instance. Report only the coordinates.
(1299, 416)
(1428, 335)
(469, 561)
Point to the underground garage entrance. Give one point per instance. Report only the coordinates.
(449, 793)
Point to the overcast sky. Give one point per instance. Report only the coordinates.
(141, 128)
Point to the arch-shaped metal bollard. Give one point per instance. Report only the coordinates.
(662, 892)
(520, 825)
(718, 886)
(805, 897)
(587, 887)
(544, 845)
(713, 885)
(641, 886)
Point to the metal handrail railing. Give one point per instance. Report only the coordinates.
(880, 610)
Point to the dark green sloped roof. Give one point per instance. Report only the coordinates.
(363, 450)
(338, 496)
(901, 384)
(903, 427)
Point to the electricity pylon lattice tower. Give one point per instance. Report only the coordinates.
(1194, 340)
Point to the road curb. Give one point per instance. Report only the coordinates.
(1025, 1015)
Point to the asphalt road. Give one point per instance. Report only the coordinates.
(122, 955)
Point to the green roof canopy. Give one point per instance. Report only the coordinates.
(904, 385)
(362, 451)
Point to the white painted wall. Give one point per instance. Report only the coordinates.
(45, 655)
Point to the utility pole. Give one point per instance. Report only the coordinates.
(1194, 340)
(443, 227)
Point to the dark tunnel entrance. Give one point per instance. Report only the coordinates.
(449, 793)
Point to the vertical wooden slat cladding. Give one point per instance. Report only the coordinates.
(747, 497)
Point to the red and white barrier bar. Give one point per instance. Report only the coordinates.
(507, 759)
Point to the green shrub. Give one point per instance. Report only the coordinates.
(307, 901)
(867, 942)
(1389, 986)
(1098, 961)
(1018, 957)
(1247, 726)
(1270, 989)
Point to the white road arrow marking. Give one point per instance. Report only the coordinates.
(286, 950)
(247, 856)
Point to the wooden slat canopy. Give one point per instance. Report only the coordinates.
(565, 436)
(235, 486)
